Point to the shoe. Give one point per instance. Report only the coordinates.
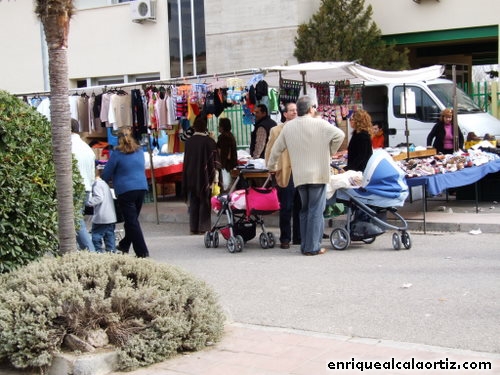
(285, 245)
(320, 252)
(121, 249)
(325, 236)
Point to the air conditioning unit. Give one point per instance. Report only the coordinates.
(143, 10)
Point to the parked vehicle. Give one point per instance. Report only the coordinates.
(383, 102)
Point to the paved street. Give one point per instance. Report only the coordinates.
(442, 292)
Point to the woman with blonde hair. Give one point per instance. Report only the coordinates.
(441, 135)
(360, 148)
(125, 168)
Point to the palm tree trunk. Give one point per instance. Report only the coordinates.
(61, 146)
(55, 16)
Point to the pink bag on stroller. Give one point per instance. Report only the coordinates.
(262, 201)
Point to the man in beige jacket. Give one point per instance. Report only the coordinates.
(287, 194)
(310, 142)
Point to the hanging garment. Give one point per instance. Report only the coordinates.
(83, 112)
(139, 126)
(161, 109)
(120, 113)
(171, 118)
(153, 121)
(106, 97)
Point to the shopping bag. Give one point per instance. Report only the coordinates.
(261, 200)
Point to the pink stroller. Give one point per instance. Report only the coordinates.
(239, 212)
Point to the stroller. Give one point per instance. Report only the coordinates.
(368, 207)
(240, 211)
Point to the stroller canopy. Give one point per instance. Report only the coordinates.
(383, 177)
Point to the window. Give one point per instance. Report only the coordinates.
(186, 25)
(426, 109)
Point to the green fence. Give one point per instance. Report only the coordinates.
(241, 131)
(485, 95)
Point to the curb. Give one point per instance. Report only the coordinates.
(414, 225)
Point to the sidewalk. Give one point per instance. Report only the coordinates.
(257, 350)
(441, 215)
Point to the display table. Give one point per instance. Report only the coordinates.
(437, 183)
(167, 172)
(415, 154)
(171, 173)
(252, 176)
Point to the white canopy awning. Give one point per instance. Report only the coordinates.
(330, 71)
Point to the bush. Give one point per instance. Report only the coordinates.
(28, 213)
(149, 311)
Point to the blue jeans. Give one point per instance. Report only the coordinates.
(313, 197)
(104, 232)
(82, 235)
(289, 206)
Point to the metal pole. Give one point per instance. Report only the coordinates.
(407, 132)
(455, 117)
(304, 90)
(153, 179)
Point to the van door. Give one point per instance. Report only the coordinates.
(419, 124)
(375, 102)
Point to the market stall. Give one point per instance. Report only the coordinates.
(441, 172)
(167, 170)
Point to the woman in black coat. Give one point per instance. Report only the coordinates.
(200, 172)
(442, 134)
(360, 148)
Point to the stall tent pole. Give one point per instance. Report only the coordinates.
(407, 132)
(455, 116)
(153, 179)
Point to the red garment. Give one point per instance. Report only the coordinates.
(378, 140)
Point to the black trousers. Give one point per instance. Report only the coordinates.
(131, 203)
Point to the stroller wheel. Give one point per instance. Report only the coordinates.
(369, 240)
(231, 244)
(264, 242)
(340, 239)
(396, 241)
(270, 239)
(215, 240)
(406, 240)
(240, 242)
(208, 239)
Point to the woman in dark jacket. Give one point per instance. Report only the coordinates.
(200, 172)
(442, 134)
(360, 148)
(226, 144)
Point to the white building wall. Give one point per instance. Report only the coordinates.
(103, 41)
(244, 34)
(407, 16)
(21, 65)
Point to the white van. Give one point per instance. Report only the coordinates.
(383, 102)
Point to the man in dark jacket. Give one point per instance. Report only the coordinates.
(260, 133)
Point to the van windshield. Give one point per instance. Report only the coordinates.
(444, 91)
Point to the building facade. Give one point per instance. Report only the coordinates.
(107, 44)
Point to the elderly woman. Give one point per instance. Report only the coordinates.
(360, 148)
(442, 134)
